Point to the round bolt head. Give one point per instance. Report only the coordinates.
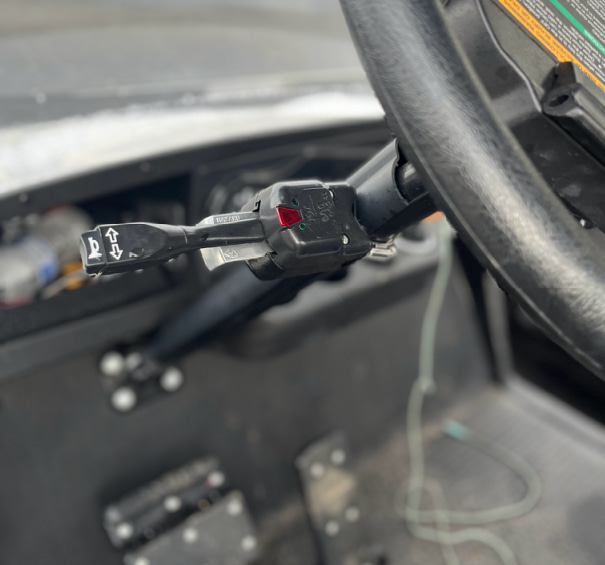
(352, 514)
(172, 379)
(345, 238)
(216, 479)
(124, 530)
(172, 503)
(112, 364)
(249, 543)
(190, 535)
(317, 470)
(124, 399)
(141, 561)
(332, 528)
(338, 457)
(235, 507)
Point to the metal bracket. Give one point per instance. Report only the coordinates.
(222, 535)
(334, 505)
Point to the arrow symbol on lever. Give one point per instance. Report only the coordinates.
(112, 235)
(116, 252)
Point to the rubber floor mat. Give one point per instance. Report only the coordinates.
(567, 527)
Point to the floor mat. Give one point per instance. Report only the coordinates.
(567, 451)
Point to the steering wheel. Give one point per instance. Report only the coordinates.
(478, 174)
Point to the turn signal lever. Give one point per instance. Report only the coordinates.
(292, 232)
(118, 248)
(289, 229)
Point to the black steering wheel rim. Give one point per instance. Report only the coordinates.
(478, 174)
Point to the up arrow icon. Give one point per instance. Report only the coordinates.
(112, 235)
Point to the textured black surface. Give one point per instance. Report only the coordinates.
(66, 454)
(479, 173)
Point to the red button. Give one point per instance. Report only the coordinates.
(287, 216)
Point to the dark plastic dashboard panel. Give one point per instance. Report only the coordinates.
(108, 313)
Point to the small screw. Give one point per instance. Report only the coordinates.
(190, 535)
(124, 399)
(249, 543)
(294, 202)
(234, 508)
(141, 561)
(112, 364)
(172, 503)
(345, 238)
(317, 470)
(302, 226)
(352, 514)
(338, 457)
(172, 379)
(216, 479)
(124, 530)
(332, 528)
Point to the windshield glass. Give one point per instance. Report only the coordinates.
(62, 58)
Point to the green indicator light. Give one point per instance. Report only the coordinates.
(302, 226)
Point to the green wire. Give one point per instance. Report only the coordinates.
(409, 508)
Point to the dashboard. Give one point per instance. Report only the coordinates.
(68, 313)
(73, 454)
